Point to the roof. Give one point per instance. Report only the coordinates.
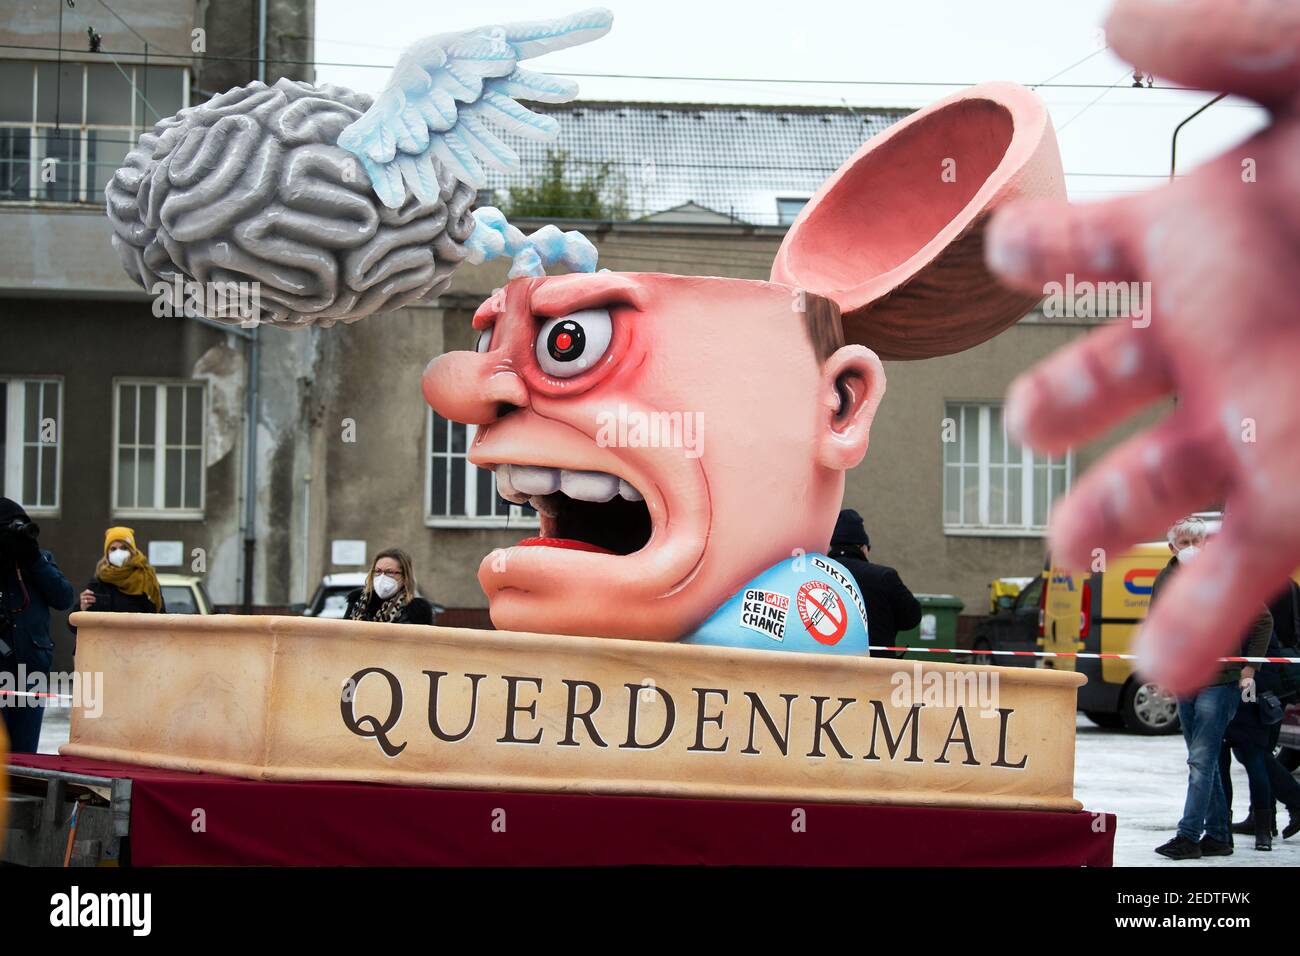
(734, 160)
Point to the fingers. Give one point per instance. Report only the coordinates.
(1206, 610)
(1086, 387)
(1138, 490)
(1250, 47)
(1034, 242)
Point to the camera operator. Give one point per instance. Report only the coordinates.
(30, 585)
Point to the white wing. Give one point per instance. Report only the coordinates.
(445, 94)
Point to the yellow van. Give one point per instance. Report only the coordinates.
(1098, 613)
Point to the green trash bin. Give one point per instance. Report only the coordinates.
(938, 627)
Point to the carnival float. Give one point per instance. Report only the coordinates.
(675, 630)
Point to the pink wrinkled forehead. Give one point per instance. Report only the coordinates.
(554, 296)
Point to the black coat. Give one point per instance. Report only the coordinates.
(1286, 616)
(417, 611)
(891, 607)
(111, 598)
(46, 588)
(1247, 728)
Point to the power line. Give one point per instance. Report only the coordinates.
(785, 81)
(748, 167)
(1097, 99)
(798, 81)
(125, 75)
(143, 39)
(1079, 62)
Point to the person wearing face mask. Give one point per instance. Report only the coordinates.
(1205, 716)
(31, 584)
(124, 579)
(389, 594)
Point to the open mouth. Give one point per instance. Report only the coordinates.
(579, 510)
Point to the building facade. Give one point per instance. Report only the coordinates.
(111, 414)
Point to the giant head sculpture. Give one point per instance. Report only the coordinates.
(682, 437)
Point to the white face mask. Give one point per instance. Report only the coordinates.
(1188, 554)
(385, 586)
(118, 558)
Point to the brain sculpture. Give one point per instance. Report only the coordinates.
(250, 187)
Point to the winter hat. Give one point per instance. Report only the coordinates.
(119, 534)
(850, 530)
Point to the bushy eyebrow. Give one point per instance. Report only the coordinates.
(564, 294)
(489, 311)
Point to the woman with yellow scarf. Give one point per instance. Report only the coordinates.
(124, 579)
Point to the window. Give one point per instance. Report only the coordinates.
(158, 448)
(787, 210)
(31, 413)
(989, 482)
(1030, 595)
(458, 492)
(65, 130)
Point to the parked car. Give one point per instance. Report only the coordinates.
(331, 597)
(1013, 625)
(1098, 613)
(184, 594)
(1003, 591)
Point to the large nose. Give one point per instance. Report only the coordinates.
(476, 388)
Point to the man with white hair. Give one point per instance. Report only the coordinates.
(1205, 716)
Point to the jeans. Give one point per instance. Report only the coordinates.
(1205, 718)
(22, 720)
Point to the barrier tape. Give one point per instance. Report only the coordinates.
(1077, 654)
(32, 693)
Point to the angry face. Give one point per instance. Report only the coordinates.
(677, 435)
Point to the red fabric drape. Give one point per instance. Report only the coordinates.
(251, 822)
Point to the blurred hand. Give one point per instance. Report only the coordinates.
(1221, 251)
(87, 599)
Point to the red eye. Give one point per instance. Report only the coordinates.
(571, 344)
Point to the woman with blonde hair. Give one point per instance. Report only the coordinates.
(389, 595)
(124, 579)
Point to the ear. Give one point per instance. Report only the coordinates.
(852, 385)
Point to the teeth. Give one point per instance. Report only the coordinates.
(588, 485)
(505, 489)
(531, 480)
(533, 483)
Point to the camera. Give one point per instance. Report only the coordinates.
(22, 527)
(18, 540)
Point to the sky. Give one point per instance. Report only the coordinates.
(869, 53)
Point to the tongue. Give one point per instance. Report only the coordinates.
(569, 543)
